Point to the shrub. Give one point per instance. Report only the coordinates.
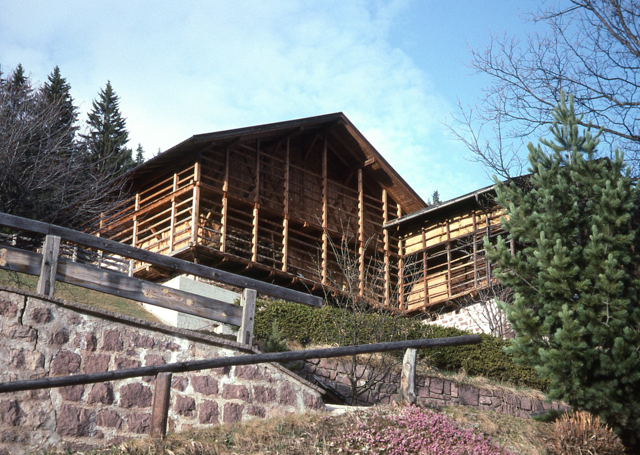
(581, 433)
(412, 431)
(309, 325)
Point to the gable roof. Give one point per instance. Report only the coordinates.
(363, 154)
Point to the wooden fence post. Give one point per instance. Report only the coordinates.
(49, 267)
(245, 334)
(408, 381)
(161, 401)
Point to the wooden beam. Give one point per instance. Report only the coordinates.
(408, 380)
(195, 210)
(313, 143)
(161, 403)
(256, 207)
(475, 250)
(225, 204)
(221, 362)
(50, 252)
(134, 236)
(115, 283)
(425, 283)
(449, 290)
(172, 232)
(285, 219)
(171, 263)
(248, 301)
(401, 303)
(361, 233)
(488, 230)
(325, 214)
(387, 247)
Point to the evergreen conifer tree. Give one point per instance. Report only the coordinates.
(576, 309)
(107, 136)
(139, 155)
(57, 91)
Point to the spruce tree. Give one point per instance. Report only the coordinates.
(139, 155)
(576, 309)
(107, 136)
(57, 93)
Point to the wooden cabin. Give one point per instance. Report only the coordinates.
(269, 201)
(442, 257)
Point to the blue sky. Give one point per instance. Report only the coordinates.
(395, 68)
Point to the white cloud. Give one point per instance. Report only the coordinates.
(199, 66)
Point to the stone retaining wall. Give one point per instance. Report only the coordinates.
(40, 338)
(431, 391)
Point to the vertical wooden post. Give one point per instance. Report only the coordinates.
(361, 231)
(285, 219)
(408, 380)
(172, 232)
(325, 214)
(386, 246)
(49, 267)
(225, 204)
(134, 237)
(401, 302)
(449, 290)
(161, 401)
(195, 209)
(245, 334)
(256, 206)
(488, 231)
(424, 268)
(475, 250)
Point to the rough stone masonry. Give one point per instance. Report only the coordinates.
(40, 338)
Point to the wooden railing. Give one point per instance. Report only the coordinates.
(163, 373)
(103, 271)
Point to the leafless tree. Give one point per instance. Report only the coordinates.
(363, 318)
(43, 175)
(587, 48)
(483, 308)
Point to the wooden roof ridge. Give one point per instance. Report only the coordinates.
(399, 189)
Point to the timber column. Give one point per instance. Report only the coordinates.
(325, 214)
(256, 207)
(385, 233)
(225, 204)
(285, 219)
(195, 208)
(172, 231)
(361, 246)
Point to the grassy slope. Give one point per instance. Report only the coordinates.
(319, 434)
(80, 295)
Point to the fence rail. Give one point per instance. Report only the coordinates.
(63, 248)
(163, 373)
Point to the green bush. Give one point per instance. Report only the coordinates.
(308, 325)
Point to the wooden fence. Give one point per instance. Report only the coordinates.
(105, 265)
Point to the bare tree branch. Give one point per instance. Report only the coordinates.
(588, 48)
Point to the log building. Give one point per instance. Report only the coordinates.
(268, 201)
(442, 257)
(275, 201)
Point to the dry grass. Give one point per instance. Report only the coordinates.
(521, 436)
(80, 295)
(319, 434)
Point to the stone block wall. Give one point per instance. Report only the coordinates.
(431, 391)
(40, 338)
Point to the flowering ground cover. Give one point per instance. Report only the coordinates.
(413, 430)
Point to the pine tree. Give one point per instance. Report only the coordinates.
(18, 78)
(576, 312)
(107, 136)
(139, 155)
(57, 92)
